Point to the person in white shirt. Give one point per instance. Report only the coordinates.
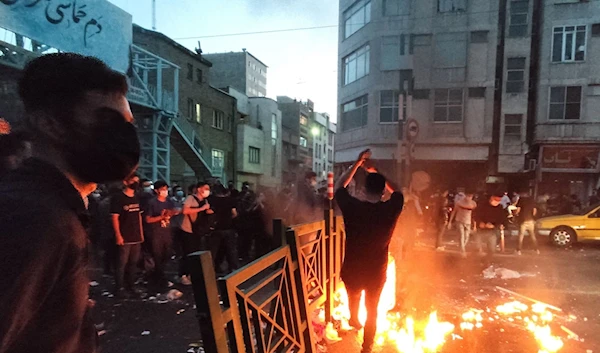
(462, 213)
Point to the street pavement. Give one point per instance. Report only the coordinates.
(440, 281)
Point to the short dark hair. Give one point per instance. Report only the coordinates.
(160, 184)
(310, 175)
(57, 82)
(375, 183)
(200, 184)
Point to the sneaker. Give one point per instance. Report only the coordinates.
(440, 248)
(519, 252)
(185, 280)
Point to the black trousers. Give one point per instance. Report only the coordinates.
(222, 245)
(161, 250)
(190, 243)
(126, 269)
(372, 288)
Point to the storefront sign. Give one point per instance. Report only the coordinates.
(89, 27)
(580, 159)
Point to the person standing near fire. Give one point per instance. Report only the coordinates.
(369, 227)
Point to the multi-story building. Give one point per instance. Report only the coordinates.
(323, 134)
(258, 142)
(442, 54)
(203, 135)
(566, 138)
(241, 70)
(297, 138)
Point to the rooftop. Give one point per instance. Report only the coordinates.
(239, 52)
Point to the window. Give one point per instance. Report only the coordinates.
(356, 17)
(190, 108)
(190, 72)
(218, 162)
(519, 13)
(568, 43)
(356, 65)
(254, 155)
(448, 105)
(218, 119)
(198, 75)
(303, 120)
(274, 129)
(512, 124)
(355, 113)
(392, 47)
(388, 106)
(596, 30)
(565, 103)
(303, 141)
(476, 92)
(479, 37)
(198, 113)
(452, 5)
(515, 76)
(450, 50)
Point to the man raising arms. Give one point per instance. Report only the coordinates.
(369, 228)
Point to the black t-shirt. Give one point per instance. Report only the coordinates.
(369, 228)
(527, 206)
(487, 213)
(222, 207)
(155, 208)
(129, 211)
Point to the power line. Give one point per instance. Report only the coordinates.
(258, 32)
(389, 19)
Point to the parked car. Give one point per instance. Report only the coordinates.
(565, 230)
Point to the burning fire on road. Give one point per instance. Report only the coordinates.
(428, 333)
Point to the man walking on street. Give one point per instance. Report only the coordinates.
(223, 241)
(158, 217)
(527, 212)
(369, 228)
(441, 219)
(82, 134)
(127, 224)
(462, 213)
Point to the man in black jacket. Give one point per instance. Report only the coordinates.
(80, 120)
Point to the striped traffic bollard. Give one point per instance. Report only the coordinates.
(330, 185)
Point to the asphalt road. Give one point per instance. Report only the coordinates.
(440, 281)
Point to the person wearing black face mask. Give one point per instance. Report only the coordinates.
(82, 134)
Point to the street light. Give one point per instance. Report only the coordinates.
(315, 131)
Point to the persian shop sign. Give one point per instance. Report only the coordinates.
(89, 27)
(576, 158)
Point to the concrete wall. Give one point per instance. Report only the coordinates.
(209, 98)
(240, 70)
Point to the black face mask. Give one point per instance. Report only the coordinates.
(108, 151)
(134, 186)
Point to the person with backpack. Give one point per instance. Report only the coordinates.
(194, 225)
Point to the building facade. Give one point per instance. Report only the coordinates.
(297, 138)
(566, 141)
(323, 134)
(203, 137)
(240, 70)
(441, 55)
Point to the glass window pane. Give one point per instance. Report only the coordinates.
(386, 115)
(573, 94)
(557, 47)
(519, 7)
(387, 98)
(569, 28)
(513, 119)
(440, 114)
(512, 130)
(456, 96)
(572, 111)
(557, 111)
(360, 66)
(515, 63)
(441, 95)
(515, 76)
(368, 13)
(569, 46)
(455, 114)
(364, 114)
(580, 46)
(557, 95)
(518, 19)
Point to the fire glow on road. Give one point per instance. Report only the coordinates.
(410, 335)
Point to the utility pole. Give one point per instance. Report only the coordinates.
(154, 15)
(403, 171)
